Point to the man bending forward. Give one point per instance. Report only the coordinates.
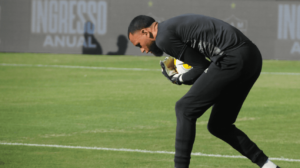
(225, 84)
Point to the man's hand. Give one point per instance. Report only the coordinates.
(171, 74)
(176, 79)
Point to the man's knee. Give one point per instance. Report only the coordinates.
(180, 107)
(190, 109)
(220, 130)
(211, 128)
(214, 129)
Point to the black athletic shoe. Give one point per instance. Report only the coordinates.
(277, 167)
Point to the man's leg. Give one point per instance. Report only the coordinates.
(237, 66)
(196, 101)
(223, 116)
(229, 103)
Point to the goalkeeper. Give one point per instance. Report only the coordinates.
(224, 83)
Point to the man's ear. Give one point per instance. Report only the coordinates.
(146, 32)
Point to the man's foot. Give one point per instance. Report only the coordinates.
(270, 164)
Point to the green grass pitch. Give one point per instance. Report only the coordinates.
(129, 109)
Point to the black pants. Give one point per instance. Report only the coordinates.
(225, 85)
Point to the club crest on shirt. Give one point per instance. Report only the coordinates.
(240, 24)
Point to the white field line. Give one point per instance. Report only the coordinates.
(137, 150)
(114, 68)
(279, 73)
(78, 67)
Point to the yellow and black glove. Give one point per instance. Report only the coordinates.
(169, 71)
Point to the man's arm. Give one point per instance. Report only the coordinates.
(197, 61)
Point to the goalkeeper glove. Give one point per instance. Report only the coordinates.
(171, 74)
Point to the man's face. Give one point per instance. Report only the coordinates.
(145, 42)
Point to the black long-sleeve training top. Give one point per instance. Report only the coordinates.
(190, 38)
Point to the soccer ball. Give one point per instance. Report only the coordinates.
(181, 67)
(175, 66)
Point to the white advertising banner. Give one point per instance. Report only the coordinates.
(99, 27)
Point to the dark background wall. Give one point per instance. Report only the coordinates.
(100, 26)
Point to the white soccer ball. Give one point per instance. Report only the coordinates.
(181, 67)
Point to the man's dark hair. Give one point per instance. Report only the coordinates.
(139, 22)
